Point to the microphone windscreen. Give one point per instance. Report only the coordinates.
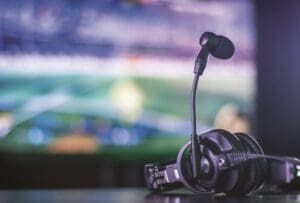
(224, 49)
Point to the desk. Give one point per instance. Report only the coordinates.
(129, 196)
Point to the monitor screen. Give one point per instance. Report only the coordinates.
(114, 77)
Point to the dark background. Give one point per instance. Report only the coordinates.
(276, 121)
(278, 63)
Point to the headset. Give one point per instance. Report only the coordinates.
(219, 161)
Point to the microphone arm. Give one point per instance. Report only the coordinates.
(200, 65)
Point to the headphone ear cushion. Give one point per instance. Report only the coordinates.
(254, 169)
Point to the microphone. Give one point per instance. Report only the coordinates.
(220, 47)
(217, 45)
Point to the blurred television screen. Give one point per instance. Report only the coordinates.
(100, 76)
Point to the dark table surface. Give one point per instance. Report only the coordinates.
(130, 196)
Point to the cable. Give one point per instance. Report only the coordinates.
(238, 158)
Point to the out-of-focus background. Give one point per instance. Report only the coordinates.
(91, 90)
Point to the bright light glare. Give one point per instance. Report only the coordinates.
(6, 121)
(127, 99)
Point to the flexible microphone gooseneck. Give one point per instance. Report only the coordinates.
(222, 48)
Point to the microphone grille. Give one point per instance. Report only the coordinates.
(225, 48)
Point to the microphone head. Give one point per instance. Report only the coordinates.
(219, 46)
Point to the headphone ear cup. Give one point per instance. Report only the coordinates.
(255, 169)
(229, 181)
